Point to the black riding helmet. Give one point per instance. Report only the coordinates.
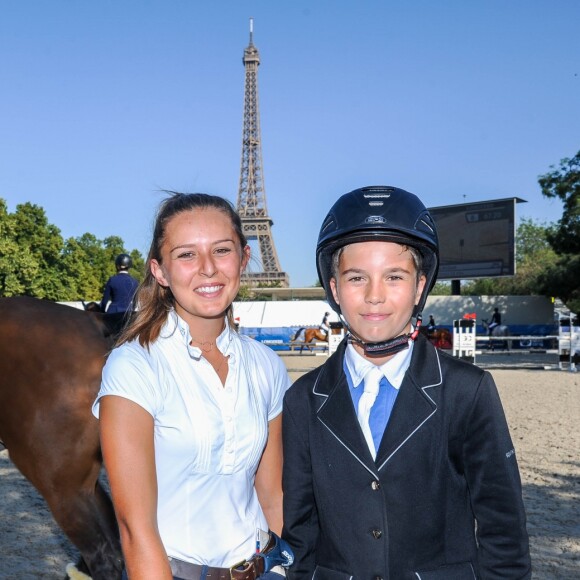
(123, 262)
(379, 213)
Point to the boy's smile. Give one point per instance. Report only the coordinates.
(376, 288)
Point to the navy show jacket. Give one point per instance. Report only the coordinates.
(443, 499)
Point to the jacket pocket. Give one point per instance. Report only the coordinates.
(460, 571)
(322, 573)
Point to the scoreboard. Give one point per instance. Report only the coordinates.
(476, 240)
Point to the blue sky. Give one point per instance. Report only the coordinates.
(103, 104)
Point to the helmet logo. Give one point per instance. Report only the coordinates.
(375, 219)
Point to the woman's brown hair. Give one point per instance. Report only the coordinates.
(153, 300)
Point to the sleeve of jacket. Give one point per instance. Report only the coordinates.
(300, 513)
(493, 477)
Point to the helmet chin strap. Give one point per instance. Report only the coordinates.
(386, 347)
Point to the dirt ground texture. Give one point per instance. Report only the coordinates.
(543, 411)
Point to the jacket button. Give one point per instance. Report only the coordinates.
(377, 534)
(375, 485)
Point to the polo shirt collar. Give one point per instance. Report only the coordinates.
(175, 322)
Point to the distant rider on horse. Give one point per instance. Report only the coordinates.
(324, 324)
(431, 324)
(495, 321)
(120, 288)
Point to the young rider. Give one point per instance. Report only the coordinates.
(398, 462)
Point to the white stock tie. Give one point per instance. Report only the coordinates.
(367, 400)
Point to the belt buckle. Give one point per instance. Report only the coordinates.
(244, 564)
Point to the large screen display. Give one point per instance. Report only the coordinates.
(476, 240)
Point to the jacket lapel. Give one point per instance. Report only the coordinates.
(337, 412)
(415, 404)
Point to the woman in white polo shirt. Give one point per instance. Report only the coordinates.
(190, 410)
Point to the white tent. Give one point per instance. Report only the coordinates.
(282, 313)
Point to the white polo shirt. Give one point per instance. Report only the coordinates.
(208, 437)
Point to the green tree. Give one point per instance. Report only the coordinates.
(442, 288)
(562, 278)
(89, 262)
(245, 293)
(533, 256)
(36, 261)
(15, 266)
(138, 268)
(564, 184)
(79, 258)
(32, 250)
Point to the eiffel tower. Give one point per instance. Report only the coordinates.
(257, 225)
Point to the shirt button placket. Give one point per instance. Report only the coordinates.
(229, 440)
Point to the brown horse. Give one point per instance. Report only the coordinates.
(51, 357)
(304, 336)
(438, 337)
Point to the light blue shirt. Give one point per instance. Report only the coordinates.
(356, 367)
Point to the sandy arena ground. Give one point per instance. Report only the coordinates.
(543, 411)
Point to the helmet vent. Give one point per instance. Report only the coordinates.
(327, 224)
(377, 195)
(427, 223)
(376, 203)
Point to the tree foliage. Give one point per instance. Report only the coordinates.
(36, 261)
(564, 184)
(562, 278)
(533, 256)
(441, 289)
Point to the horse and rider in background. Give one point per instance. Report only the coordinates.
(498, 333)
(304, 336)
(438, 337)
